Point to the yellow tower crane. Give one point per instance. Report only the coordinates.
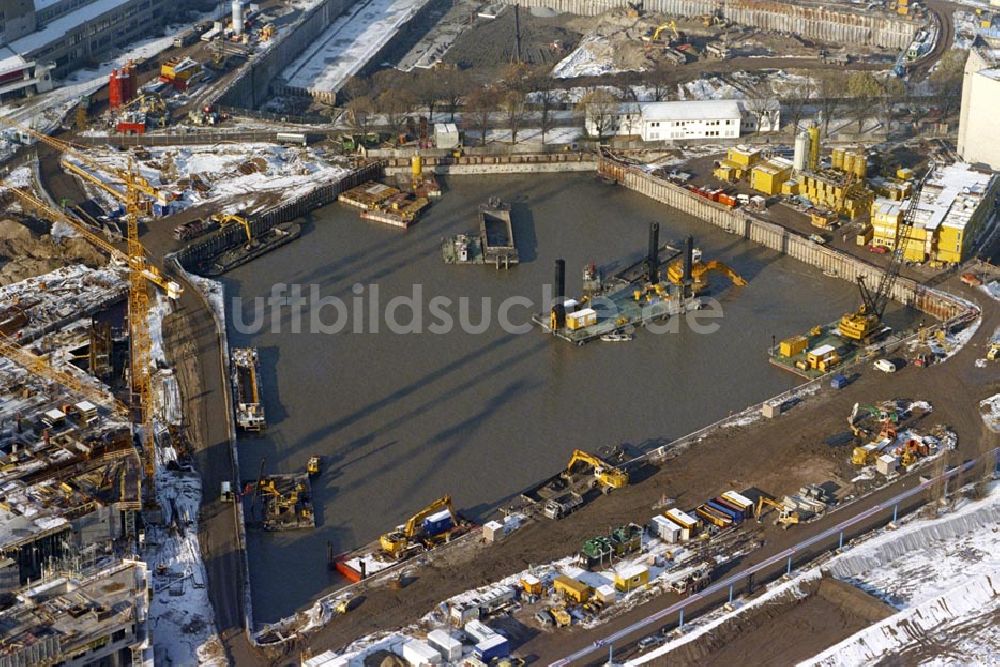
(139, 272)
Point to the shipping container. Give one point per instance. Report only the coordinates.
(573, 589)
(739, 500)
(666, 529)
(714, 516)
(584, 317)
(449, 647)
(291, 138)
(720, 505)
(420, 654)
(492, 649)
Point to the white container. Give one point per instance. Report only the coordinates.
(886, 464)
(493, 531)
(737, 499)
(479, 631)
(665, 529)
(607, 593)
(449, 647)
(420, 654)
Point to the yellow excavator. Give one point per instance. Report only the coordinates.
(396, 543)
(228, 219)
(699, 273)
(607, 476)
(654, 36)
(282, 502)
(785, 518)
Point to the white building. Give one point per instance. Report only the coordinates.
(979, 123)
(684, 120)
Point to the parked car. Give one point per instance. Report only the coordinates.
(878, 249)
(971, 279)
(649, 642)
(885, 365)
(817, 239)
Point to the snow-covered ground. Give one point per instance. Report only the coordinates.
(290, 171)
(989, 408)
(943, 575)
(349, 43)
(180, 613)
(594, 56)
(944, 578)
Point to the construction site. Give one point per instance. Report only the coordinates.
(251, 412)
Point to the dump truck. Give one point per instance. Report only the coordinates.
(564, 505)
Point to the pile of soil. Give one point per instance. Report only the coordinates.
(25, 253)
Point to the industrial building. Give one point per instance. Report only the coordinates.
(99, 618)
(20, 77)
(67, 34)
(672, 121)
(952, 208)
(979, 124)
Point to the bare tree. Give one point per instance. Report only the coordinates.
(659, 80)
(830, 89)
(356, 87)
(480, 104)
(360, 110)
(759, 102)
(600, 112)
(797, 102)
(865, 91)
(426, 88)
(542, 90)
(454, 85)
(395, 103)
(512, 103)
(892, 91)
(947, 80)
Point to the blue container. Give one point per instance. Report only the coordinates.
(732, 507)
(493, 648)
(436, 527)
(160, 210)
(735, 515)
(838, 381)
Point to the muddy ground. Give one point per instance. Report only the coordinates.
(776, 457)
(786, 631)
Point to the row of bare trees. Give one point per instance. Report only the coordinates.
(522, 91)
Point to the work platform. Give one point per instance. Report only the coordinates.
(494, 245)
(281, 502)
(617, 311)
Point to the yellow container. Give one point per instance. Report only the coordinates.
(861, 165)
(572, 589)
(814, 147)
(792, 346)
(837, 158)
(847, 164)
(904, 173)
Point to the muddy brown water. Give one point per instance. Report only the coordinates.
(402, 419)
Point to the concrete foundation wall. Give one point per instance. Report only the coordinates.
(819, 23)
(776, 237)
(251, 87)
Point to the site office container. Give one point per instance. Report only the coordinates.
(571, 588)
(739, 500)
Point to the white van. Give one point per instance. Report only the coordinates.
(226, 492)
(885, 366)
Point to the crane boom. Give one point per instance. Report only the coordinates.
(149, 271)
(862, 324)
(43, 367)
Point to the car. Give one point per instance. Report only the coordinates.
(650, 641)
(885, 365)
(971, 279)
(878, 249)
(817, 239)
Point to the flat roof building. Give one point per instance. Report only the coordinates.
(979, 123)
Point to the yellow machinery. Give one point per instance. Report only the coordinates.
(149, 271)
(607, 475)
(785, 518)
(561, 617)
(699, 273)
(572, 589)
(655, 36)
(395, 543)
(127, 177)
(312, 467)
(994, 352)
(227, 219)
(282, 502)
(866, 321)
(140, 271)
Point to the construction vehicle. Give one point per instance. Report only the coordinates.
(786, 517)
(607, 476)
(699, 274)
(295, 502)
(225, 219)
(561, 617)
(312, 467)
(557, 508)
(398, 542)
(866, 322)
(654, 35)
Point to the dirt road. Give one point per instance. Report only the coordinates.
(776, 457)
